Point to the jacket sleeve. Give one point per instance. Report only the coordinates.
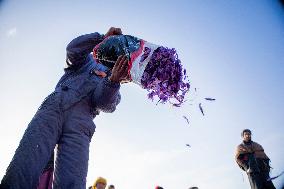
(106, 96)
(242, 161)
(79, 49)
(241, 158)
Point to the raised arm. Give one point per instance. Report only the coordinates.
(106, 97)
(242, 161)
(79, 48)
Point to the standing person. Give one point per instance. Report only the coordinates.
(66, 118)
(251, 158)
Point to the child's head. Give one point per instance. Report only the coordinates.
(100, 183)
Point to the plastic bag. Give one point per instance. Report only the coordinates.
(153, 67)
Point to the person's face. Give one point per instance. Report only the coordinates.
(100, 186)
(246, 136)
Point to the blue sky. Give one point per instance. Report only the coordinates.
(232, 50)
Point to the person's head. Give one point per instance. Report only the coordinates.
(111, 187)
(246, 134)
(100, 183)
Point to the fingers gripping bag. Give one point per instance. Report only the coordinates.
(153, 67)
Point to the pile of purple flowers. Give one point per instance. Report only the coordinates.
(165, 78)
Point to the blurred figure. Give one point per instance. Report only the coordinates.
(251, 158)
(111, 187)
(100, 183)
(159, 187)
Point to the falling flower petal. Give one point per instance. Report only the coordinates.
(201, 109)
(210, 99)
(186, 119)
(176, 105)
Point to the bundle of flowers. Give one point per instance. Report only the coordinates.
(155, 68)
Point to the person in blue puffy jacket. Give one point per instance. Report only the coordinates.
(65, 118)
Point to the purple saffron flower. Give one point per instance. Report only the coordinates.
(186, 119)
(210, 99)
(201, 109)
(164, 77)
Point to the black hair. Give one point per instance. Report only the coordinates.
(245, 131)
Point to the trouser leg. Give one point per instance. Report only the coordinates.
(71, 164)
(34, 150)
(46, 178)
(255, 181)
(267, 184)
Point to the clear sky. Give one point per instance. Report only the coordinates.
(233, 51)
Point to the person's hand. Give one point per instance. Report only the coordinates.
(120, 70)
(113, 31)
